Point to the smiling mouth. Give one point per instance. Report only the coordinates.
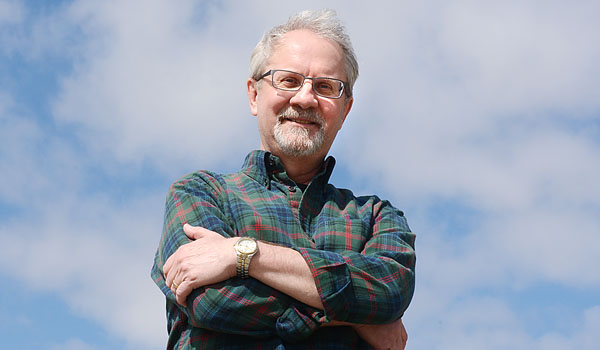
(300, 121)
(301, 117)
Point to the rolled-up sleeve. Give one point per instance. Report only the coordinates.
(373, 285)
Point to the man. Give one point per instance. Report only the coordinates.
(274, 257)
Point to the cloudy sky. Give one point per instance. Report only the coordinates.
(480, 119)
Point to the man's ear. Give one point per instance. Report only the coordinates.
(347, 108)
(252, 95)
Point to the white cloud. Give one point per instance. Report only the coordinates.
(487, 323)
(35, 36)
(10, 12)
(159, 86)
(18, 139)
(96, 253)
(586, 337)
(553, 245)
(73, 344)
(93, 249)
(517, 56)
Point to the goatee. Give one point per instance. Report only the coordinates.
(296, 140)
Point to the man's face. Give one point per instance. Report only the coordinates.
(300, 123)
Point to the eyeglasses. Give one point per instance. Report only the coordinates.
(292, 81)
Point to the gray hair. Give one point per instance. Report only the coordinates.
(323, 23)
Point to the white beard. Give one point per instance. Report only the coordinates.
(295, 140)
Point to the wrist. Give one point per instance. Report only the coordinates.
(231, 266)
(245, 248)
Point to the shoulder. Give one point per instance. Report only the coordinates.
(343, 197)
(199, 181)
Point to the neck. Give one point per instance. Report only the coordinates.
(302, 169)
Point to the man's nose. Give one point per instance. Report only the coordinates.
(305, 97)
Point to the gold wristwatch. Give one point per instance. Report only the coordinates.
(245, 248)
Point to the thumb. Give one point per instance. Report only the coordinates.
(193, 232)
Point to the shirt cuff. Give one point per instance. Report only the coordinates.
(333, 281)
(294, 325)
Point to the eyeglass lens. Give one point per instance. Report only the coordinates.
(327, 87)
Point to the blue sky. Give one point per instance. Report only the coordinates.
(479, 119)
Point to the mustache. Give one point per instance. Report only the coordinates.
(309, 115)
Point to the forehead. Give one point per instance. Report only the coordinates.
(305, 52)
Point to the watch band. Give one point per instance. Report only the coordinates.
(243, 265)
(245, 248)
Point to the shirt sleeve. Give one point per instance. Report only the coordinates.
(235, 306)
(372, 286)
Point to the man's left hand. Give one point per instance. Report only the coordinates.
(209, 259)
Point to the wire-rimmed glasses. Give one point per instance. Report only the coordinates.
(291, 81)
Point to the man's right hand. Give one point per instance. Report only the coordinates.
(384, 336)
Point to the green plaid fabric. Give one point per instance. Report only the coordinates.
(359, 249)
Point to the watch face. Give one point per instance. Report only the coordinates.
(246, 246)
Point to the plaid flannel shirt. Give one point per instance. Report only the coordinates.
(359, 249)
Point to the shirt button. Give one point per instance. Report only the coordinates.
(292, 189)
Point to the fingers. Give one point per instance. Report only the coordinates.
(182, 291)
(403, 335)
(176, 277)
(168, 266)
(185, 269)
(173, 283)
(171, 269)
(198, 232)
(193, 232)
(180, 288)
(172, 262)
(173, 265)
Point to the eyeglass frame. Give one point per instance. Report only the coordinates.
(304, 77)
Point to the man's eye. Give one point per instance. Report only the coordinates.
(289, 82)
(325, 87)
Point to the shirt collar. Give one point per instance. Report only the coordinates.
(264, 167)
